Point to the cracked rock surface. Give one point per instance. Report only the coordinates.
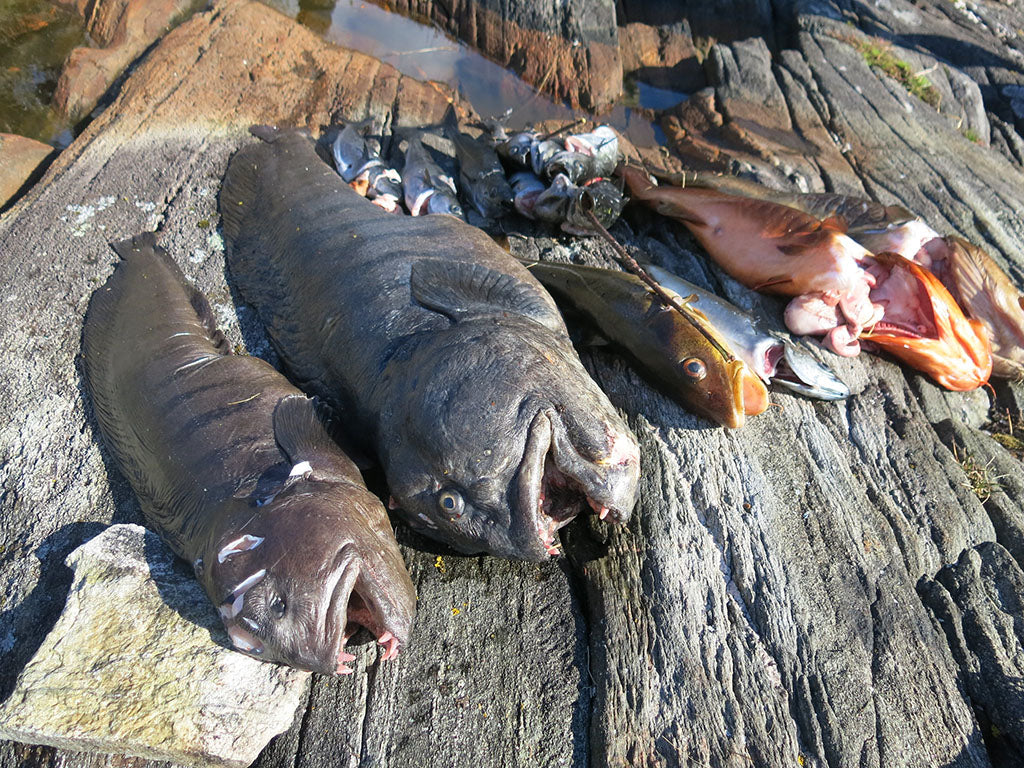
(821, 588)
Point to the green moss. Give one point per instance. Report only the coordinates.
(972, 135)
(879, 56)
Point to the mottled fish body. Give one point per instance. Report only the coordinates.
(670, 346)
(428, 189)
(480, 171)
(447, 357)
(234, 468)
(602, 144)
(771, 356)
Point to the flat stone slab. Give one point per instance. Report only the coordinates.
(19, 159)
(137, 664)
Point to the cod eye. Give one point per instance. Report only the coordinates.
(278, 607)
(450, 503)
(694, 368)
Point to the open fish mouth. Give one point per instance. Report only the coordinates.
(924, 327)
(352, 608)
(556, 484)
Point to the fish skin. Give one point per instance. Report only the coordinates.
(934, 336)
(480, 172)
(600, 197)
(772, 356)
(443, 353)
(359, 163)
(526, 189)
(207, 440)
(986, 294)
(774, 249)
(602, 144)
(428, 189)
(661, 339)
(516, 149)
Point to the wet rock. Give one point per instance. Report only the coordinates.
(568, 49)
(138, 664)
(20, 158)
(661, 56)
(122, 30)
(710, 22)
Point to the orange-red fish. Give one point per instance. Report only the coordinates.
(924, 327)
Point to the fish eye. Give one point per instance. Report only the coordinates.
(694, 368)
(278, 607)
(450, 503)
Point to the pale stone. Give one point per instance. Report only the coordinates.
(137, 664)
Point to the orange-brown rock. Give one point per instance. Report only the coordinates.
(19, 159)
(660, 56)
(123, 29)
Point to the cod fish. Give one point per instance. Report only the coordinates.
(771, 356)
(480, 172)
(701, 374)
(444, 354)
(428, 189)
(360, 165)
(235, 470)
(565, 204)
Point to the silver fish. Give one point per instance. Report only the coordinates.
(773, 356)
(358, 162)
(602, 144)
(480, 172)
(428, 189)
(526, 188)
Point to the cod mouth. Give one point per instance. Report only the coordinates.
(556, 484)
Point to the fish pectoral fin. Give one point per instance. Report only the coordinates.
(302, 429)
(836, 223)
(460, 291)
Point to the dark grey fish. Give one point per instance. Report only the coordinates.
(576, 166)
(234, 468)
(602, 198)
(428, 189)
(516, 148)
(442, 352)
(480, 172)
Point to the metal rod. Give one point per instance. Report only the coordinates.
(631, 265)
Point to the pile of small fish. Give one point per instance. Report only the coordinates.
(557, 181)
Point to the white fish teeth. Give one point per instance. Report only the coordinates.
(242, 544)
(243, 641)
(236, 606)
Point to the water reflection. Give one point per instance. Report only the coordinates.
(426, 53)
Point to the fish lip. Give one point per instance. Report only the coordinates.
(336, 617)
(530, 480)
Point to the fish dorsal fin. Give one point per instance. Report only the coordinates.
(302, 430)
(461, 291)
(144, 245)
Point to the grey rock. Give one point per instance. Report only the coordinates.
(138, 664)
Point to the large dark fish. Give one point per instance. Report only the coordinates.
(235, 470)
(441, 350)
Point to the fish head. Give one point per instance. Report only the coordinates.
(442, 202)
(497, 458)
(903, 237)
(602, 198)
(295, 577)
(924, 327)
(798, 371)
(541, 153)
(702, 371)
(516, 149)
(492, 196)
(575, 165)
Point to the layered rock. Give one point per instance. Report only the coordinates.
(20, 158)
(139, 663)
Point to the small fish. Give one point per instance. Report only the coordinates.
(541, 153)
(359, 163)
(480, 171)
(428, 189)
(577, 166)
(704, 376)
(772, 356)
(516, 148)
(600, 197)
(602, 144)
(526, 188)
(986, 294)
(928, 331)
(776, 249)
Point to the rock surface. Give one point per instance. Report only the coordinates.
(821, 588)
(121, 29)
(130, 666)
(20, 158)
(568, 49)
